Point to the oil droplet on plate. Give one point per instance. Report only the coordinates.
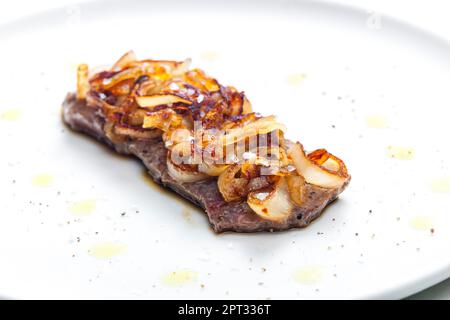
(309, 274)
(441, 185)
(376, 122)
(422, 223)
(11, 114)
(83, 208)
(187, 214)
(42, 180)
(400, 153)
(209, 56)
(106, 250)
(295, 79)
(179, 278)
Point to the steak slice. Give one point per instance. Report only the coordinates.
(223, 216)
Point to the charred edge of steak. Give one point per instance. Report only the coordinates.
(223, 216)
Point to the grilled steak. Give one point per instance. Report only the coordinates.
(224, 216)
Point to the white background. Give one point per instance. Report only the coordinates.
(430, 15)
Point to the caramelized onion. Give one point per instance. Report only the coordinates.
(258, 183)
(258, 127)
(111, 134)
(272, 203)
(178, 135)
(328, 161)
(212, 169)
(296, 187)
(246, 106)
(315, 173)
(136, 133)
(125, 60)
(126, 74)
(82, 81)
(163, 119)
(159, 99)
(183, 153)
(231, 186)
(199, 79)
(180, 175)
(136, 118)
(182, 68)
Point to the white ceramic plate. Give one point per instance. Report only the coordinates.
(78, 222)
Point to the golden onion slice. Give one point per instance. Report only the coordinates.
(273, 203)
(296, 187)
(82, 81)
(331, 164)
(231, 185)
(257, 127)
(181, 68)
(136, 133)
(184, 176)
(163, 119)
(246, 106)
(125, 74)
(160, 99)
(315, 173)
(183, 153)
(124, 60)
(212, 169)
(178, 135)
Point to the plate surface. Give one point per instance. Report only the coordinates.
(79, 222)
